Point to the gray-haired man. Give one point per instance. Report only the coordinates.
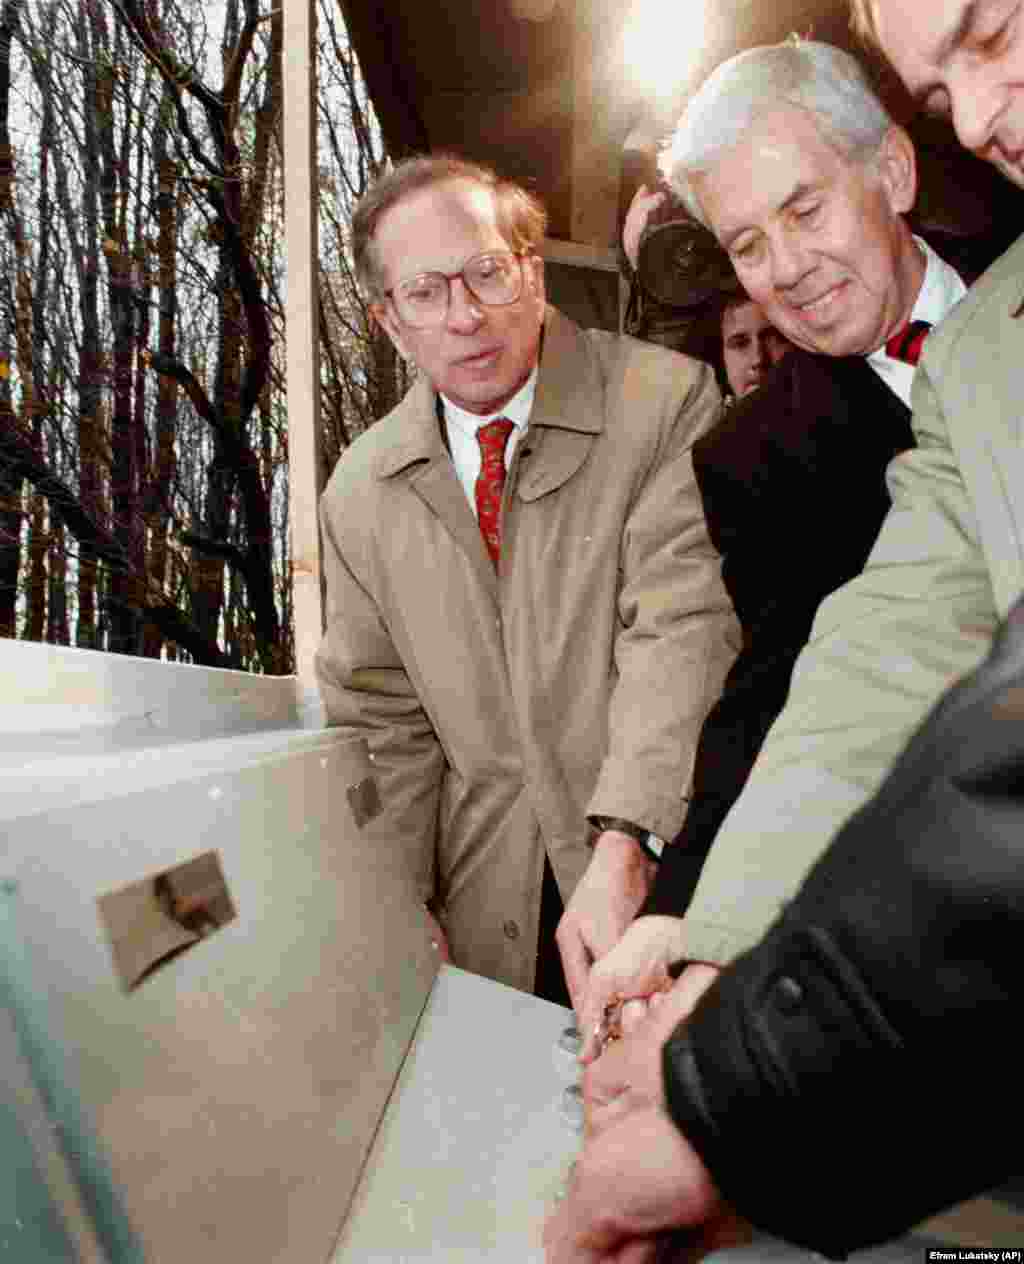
(834, 1042)
(787, 154)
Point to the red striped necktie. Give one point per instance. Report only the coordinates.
(907, 342)
(491, 481)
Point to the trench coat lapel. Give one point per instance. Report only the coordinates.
(568, 409)
(423, 460)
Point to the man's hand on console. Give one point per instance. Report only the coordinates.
(627, 1076)
(634, 970)
(602, 906)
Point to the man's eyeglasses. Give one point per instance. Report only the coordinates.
(494, 279)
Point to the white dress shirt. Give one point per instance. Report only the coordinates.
(941, 289)
(461, 428)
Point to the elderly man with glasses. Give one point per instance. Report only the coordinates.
(526, 618)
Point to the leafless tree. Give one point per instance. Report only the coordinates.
(143, 413)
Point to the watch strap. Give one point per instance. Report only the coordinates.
(652, 845)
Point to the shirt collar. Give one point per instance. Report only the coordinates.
(517, 410)
(941, 289)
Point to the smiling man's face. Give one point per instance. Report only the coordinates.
(478, 356)
(817, 238)
(963, 60)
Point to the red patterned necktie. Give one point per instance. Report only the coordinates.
(907, 342)
(491, 481)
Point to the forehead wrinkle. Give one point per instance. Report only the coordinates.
(784, 156)
(440, 225)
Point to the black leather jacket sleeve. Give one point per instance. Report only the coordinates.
(861, 1068)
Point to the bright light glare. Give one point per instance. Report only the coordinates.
(663, 40)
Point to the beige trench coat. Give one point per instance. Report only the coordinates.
(501, 709)
(947, 566)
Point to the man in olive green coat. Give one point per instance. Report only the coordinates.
(542, 688)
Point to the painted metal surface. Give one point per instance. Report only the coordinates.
(474, 1146)
(233, 1095)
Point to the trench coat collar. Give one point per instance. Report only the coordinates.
(568, 410)
(418, 453)
(570, 388)
(569, 396)
(567, 413)
(419, 432)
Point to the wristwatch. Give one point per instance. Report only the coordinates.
(652, 845)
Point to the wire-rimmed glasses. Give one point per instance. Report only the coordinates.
(494, 279)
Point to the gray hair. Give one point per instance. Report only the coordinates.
(823, 80)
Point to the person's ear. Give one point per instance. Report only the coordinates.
(385, 317)
(897, 166)
(533, 267)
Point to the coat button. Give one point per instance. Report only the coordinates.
(511, 930)
(789, 995)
